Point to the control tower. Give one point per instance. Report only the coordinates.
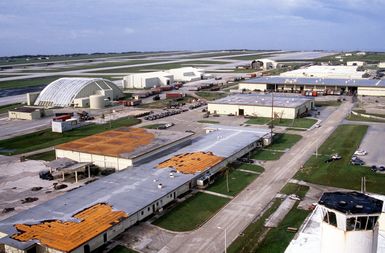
(350, 222)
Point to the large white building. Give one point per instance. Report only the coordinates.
(367, 87)
(63, 92)
(257, 105)
(348, 72)
(186, 74)
(147, 80)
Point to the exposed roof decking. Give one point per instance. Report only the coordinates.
(69, 235)
(191, 163)
(123, 142)
(263, 100)
(317, 81)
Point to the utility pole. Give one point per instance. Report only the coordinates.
(227, 180)
(272, 116)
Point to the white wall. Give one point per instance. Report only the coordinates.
(369, 91)
(99, 160)
(257, 111)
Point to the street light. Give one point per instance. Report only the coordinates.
(225, 229)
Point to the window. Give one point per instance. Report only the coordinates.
(141, 212)
(371, 222)
(148, 208)
(350, 223)
(105, 237)
(330, 218)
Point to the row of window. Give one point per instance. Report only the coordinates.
(352, 223)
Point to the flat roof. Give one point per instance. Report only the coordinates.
(124, 142)
(137, 186)
(351, 202)
(24, 109)
(318, 81)
(263, 100)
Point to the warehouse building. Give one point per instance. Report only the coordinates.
(64, 91)
(29, 113)
(122, 147)
(356, 63)
(85, 218)
(347, 72)
(147, 80)
(260, 105)
(264, 64)
(186, 74)
(337, 86)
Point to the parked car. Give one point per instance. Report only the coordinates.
(373, 168)
(336, 156)
(358, 161)
(360, 152)
(245, 160)
(381, 168)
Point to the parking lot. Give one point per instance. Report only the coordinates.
(373, 142)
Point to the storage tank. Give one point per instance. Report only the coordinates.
(97, 102)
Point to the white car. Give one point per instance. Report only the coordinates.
(360, 152)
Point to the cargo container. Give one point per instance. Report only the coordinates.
(62, 117)
(165, 88)
(174, 95)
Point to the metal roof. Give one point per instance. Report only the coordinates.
(263, 100)
(63, 91)
(318, 81)
(137, 186)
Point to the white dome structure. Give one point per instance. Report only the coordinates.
(62, 92)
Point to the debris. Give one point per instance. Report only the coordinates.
(36, 188)
(8, 209)
(60, 186)
(29, 200)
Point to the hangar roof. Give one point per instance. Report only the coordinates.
(317, 81)
(263, 100)
(62, 92)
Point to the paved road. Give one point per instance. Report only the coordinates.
(236, 215)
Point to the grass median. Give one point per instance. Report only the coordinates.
(46, 138)
(298, 123)
(210, 95)
(191, 213)
(281, 143)
(238, 180)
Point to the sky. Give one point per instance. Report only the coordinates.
(87, 26)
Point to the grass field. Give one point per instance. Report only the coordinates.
(354, 117)
(249, 57)
(238, 180)
(327, 103)
(277, 239)
(46, 156)
(281, 143)
(344, 141)
(159, 104)
(211, 95)
(267, 155)
(46, 138)
(252, 167)
(299, 122)
(6, 108)
(299, 190)
(208, 121)
(152, 126)
(247, 241)
(27, 82)
(191, 213)
(258, 121)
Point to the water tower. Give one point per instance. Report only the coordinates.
(350, 222)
